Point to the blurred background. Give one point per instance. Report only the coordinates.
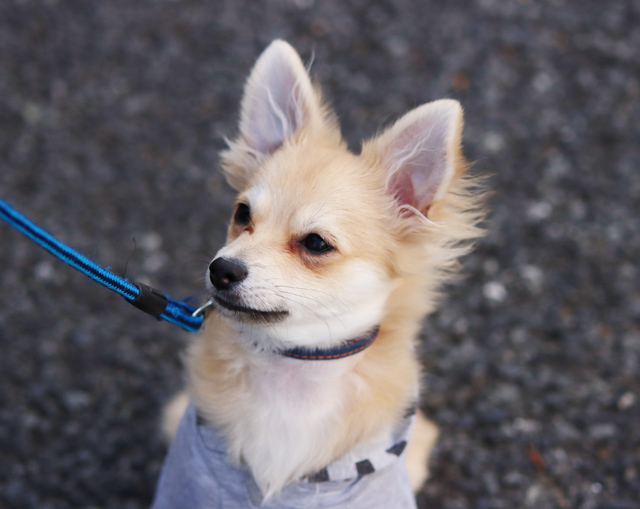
(111, 117)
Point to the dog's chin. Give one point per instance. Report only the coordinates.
(241, 313)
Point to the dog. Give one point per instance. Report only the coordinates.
(302, 389)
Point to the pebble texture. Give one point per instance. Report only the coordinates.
(111, 116)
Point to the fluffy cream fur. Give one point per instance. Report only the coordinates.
(397, 216)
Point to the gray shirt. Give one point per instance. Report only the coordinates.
(196, 474)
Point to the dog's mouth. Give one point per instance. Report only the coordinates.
(245, 313)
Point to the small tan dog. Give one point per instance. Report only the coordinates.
(307, 366)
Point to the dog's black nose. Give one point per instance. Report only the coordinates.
(224, 273)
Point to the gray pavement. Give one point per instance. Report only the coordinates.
(111, 115)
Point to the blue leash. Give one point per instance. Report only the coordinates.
(143, 297)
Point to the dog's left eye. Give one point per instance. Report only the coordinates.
(243, 214)
(315, 244)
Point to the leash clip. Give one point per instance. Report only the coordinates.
(203, 309)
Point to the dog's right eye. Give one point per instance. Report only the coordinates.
(242, 215)
(315, 244)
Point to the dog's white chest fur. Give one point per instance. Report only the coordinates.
(292, 412)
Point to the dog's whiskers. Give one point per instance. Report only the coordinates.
(282, 294)
(326, 294)
(333, 313)
(304, 289)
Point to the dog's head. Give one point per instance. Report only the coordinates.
(315, 242)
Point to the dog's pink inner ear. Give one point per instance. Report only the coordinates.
(401, 187)
(418, 155)
(418, 163)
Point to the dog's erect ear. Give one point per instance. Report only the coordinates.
(278, 100)
(420, 153)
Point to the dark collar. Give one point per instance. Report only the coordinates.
(345, 349)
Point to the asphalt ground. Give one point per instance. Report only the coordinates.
(111, 117)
